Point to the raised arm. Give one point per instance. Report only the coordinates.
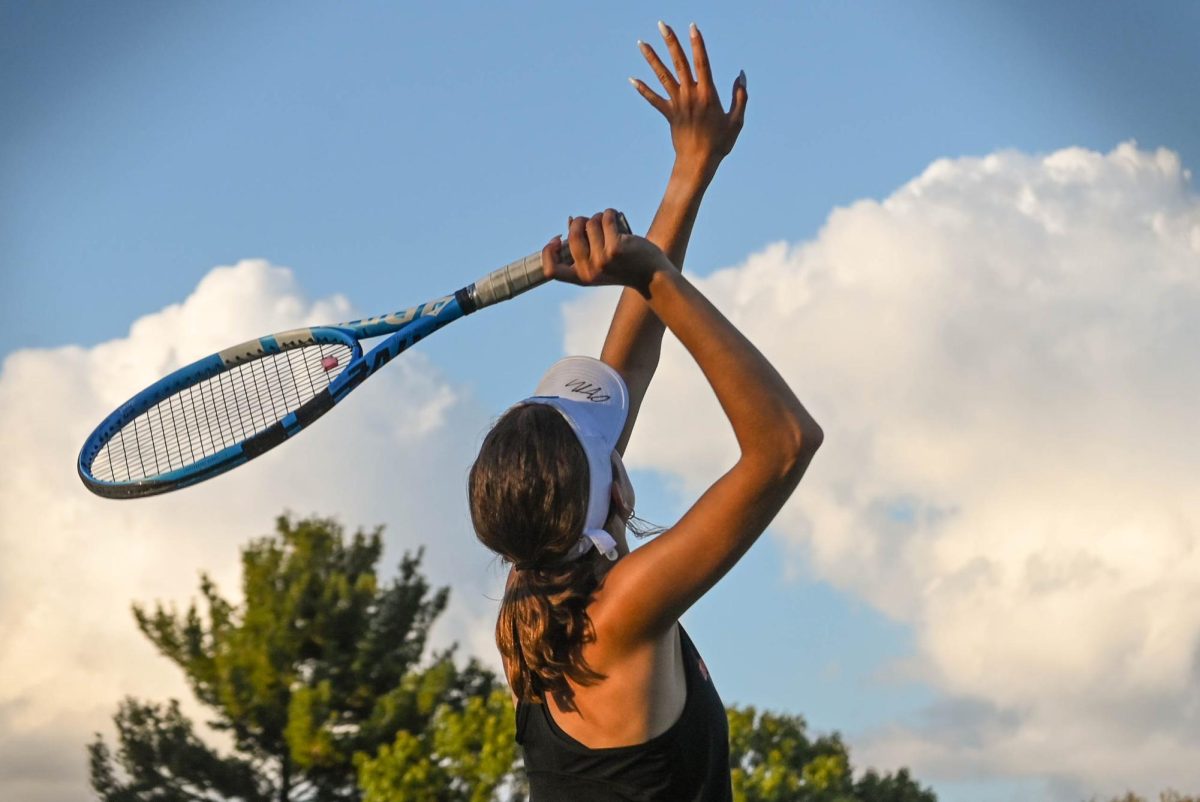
(647, 590)
(702, 133)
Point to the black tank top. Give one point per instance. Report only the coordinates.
(689, 762)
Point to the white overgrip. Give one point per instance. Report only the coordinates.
(523, 274)
(512, 279)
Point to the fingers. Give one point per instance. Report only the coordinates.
(595, 233)
(578, 241)
(704, 78)
(664, 75)
(652, 98)
(737, 108)
(593, 243)
(682, 69)
(552, 266)
(612, 236)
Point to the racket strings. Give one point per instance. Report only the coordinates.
(207, 417)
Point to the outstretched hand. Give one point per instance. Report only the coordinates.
(601, 255)
(702, 132)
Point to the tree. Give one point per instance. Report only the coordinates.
(774, 760)
(464, 757)
(164, 761)
(316, 678)
(317, 665)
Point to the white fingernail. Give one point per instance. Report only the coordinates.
(640, 43)
(663, 29)
(692, 28)
(633, 82)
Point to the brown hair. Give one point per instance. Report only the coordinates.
(528, 491)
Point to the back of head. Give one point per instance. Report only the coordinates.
(528, 492)
(529, 486)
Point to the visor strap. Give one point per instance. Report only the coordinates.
(593, 538)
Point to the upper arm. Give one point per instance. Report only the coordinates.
(649, 589)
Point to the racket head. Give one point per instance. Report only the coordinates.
(216, 413)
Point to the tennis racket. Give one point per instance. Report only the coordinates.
(228, 408)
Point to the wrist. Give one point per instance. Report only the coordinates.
(660, 280)
(692, 175)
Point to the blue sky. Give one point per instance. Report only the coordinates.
(377, 146)
(391, 153)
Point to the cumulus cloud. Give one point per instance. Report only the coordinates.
(73, 563)
(1002, 355)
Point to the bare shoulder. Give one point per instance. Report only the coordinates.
(645, 670)
(617, 639)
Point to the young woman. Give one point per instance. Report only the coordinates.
(613, 700)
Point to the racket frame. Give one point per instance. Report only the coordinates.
(406, 328)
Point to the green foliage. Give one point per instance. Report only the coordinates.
(318, 664)
(402, 772)
(478, 744)
(165, 762)
(773, 760)
(464, 757)
(316, 678)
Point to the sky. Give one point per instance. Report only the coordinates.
(967, 234)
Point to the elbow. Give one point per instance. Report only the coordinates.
(799, 434)
(810, 438)
(790, 450)
(802, 441)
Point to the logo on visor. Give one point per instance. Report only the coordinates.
(593, 392)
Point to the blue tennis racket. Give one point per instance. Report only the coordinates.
(226, 409)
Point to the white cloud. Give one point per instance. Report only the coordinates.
(1002, 355)
(73, 563)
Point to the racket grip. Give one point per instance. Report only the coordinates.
(522, 275)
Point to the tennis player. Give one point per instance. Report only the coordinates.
(613, 699)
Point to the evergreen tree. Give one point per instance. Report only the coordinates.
(774, 760)
(467, 756)
(318, 663)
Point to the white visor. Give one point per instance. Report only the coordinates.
(594, 400)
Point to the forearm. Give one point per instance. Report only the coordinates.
(634, 339)
(770, 423)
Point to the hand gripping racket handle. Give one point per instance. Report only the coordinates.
(521, 275)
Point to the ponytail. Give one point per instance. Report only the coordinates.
(543, 627)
